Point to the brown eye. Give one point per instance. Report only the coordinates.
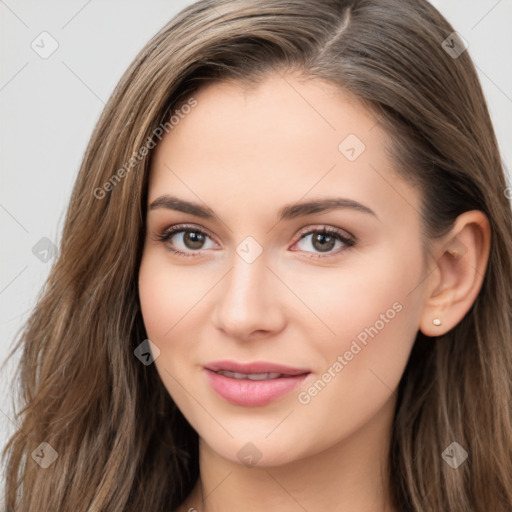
(325, 241)
(322, 242)
(193, 239)
(185, 240)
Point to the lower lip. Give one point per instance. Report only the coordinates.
(251, 393)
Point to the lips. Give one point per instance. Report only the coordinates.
(253, 384)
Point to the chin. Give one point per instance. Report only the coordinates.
(258, 452)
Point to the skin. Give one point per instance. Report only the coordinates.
(245, 154)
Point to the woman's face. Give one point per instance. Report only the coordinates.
(327, 319)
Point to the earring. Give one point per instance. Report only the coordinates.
(436, 321)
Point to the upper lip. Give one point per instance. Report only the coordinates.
(254, 367)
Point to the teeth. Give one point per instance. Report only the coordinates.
(250, 376)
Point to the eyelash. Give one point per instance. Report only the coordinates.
(166, 235)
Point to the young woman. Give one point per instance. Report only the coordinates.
(284, 277)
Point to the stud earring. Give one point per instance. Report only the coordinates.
(436, 321)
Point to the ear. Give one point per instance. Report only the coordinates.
(461, 258)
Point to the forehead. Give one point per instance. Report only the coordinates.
(277, 142)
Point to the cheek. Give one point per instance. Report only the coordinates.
(166, 293)
(166, 296)
(155, 300)
(172, 299)
(365, 291)
(361, 372)
(372, 314)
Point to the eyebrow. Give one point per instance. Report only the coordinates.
(288, 212)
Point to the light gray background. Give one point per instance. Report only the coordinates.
(49, 107)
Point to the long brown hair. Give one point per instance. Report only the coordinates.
(121, 442)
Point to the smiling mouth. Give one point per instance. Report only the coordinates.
(253, 384)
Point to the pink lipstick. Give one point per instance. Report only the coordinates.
(253, 384)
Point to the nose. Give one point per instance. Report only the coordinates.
(249, 301)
